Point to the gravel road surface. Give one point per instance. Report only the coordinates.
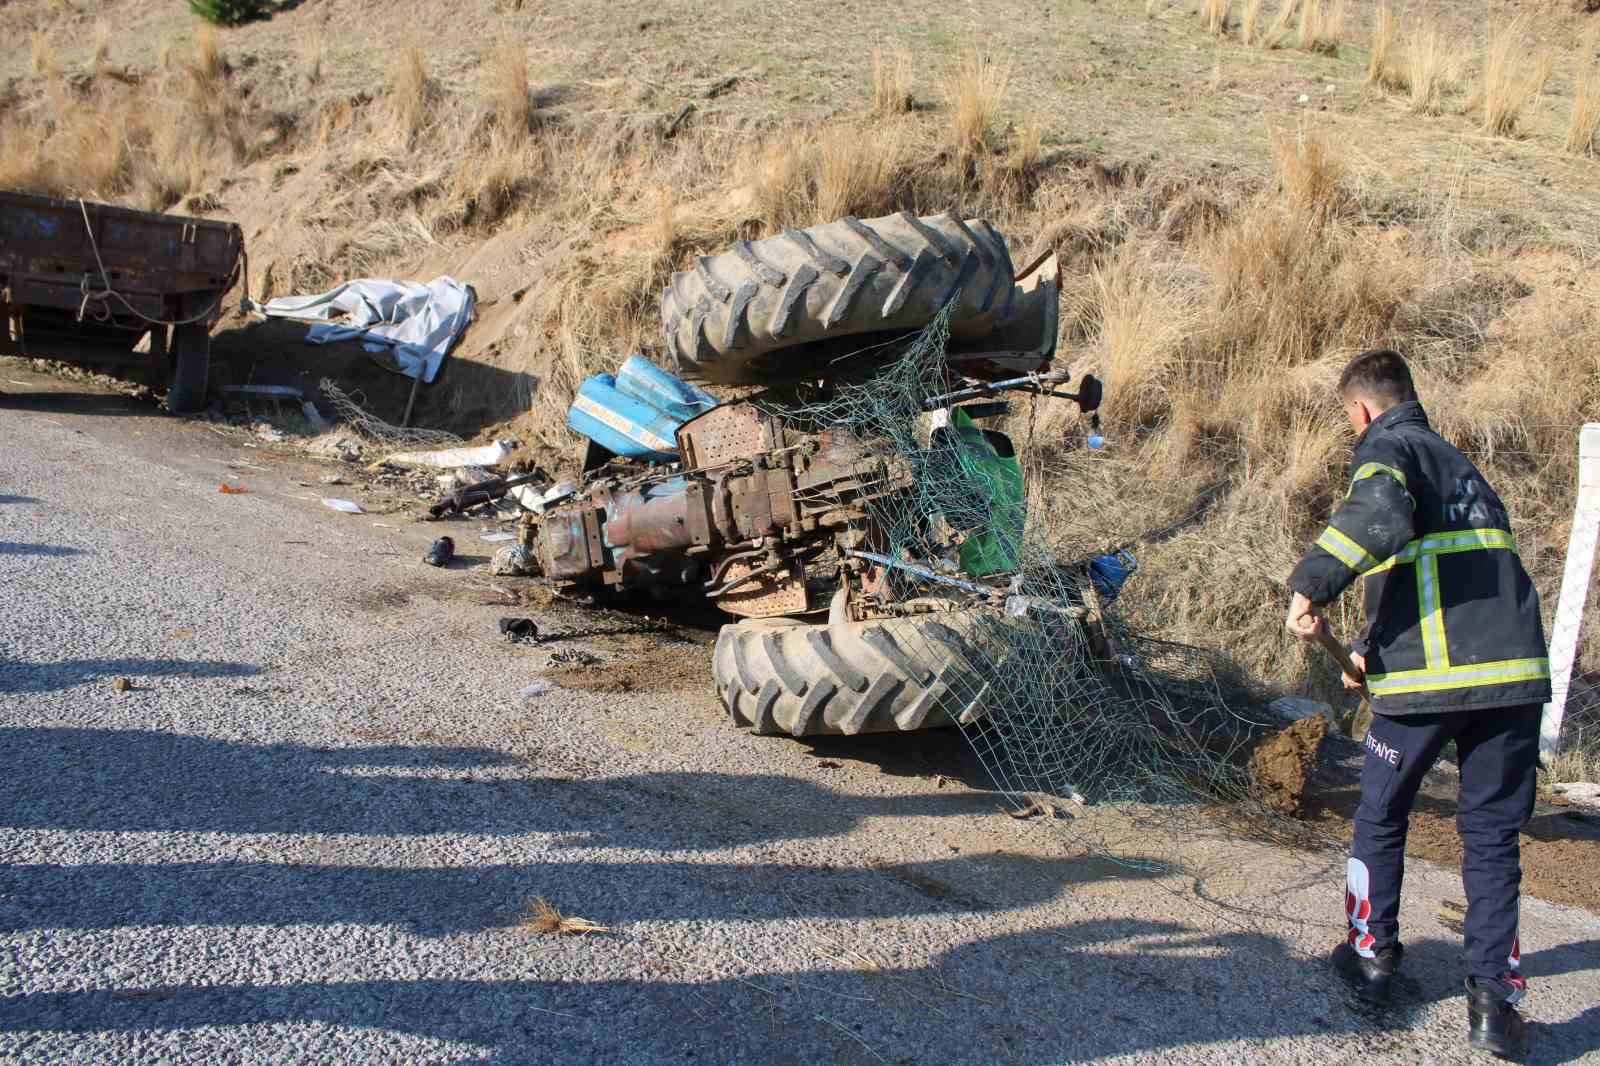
(308, 829)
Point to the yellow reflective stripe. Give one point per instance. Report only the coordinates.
(1465, 540)
(1346, 550)
(1505, 672)
(1368, 469)
(1435, 652)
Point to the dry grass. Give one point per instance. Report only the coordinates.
(854, 172)
(806, 177)
(1584, 121)
(1321, 26)
(509, 89)
(1430, 67)
(100, 53)
(43, 55)
(313, 54)
(542, 917)
(206, 64)
(891, 82)
(412, 95)
(1382, 65)
(1250, 21)
(1278, 32)
(974, 91)
(1214, 13)
(1137, 331)
(1514, 74)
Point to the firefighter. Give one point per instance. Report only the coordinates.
(1453, 649)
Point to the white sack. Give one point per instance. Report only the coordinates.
(485, 456)
(419, 322)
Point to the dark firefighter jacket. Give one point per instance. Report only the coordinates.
(1452, 617)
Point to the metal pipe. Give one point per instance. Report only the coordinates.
(1034, 381)
(921, 571)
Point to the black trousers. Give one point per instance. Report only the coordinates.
(1498, 750)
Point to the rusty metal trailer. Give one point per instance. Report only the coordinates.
(86, 283)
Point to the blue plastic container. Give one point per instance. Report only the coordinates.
(625, 425)
(648, 383)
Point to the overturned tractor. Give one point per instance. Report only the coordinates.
(867, 559)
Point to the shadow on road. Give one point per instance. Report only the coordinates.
(8, 547)
(17, 676)
(438, 901)
(143, 780)
(1071, 993)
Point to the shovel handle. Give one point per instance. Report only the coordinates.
(1341, 656)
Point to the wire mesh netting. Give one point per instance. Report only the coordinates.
(1056, 696)
(374, 430)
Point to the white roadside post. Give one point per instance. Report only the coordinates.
(1574, 589)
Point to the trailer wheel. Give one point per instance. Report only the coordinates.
(858, 677)
(191, 363)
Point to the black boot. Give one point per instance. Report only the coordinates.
(1493, 1024)
(1372, 977)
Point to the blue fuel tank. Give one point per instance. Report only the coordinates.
(646, 382)
(625, 425)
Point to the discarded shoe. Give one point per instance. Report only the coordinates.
(520, 630)
(1493, 1024)
(440, 552)
(1369, 978)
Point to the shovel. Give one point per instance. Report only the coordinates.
(1341, 658)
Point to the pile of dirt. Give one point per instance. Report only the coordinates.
(641, 664)
(1282, 764)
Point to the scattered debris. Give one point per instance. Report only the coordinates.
(488, 491)
(180, 634)
(520, 630)
(543, 917)
(678, 120)
(1281, 765)
(314, 417)
(829, 764)
(271, 434)
(1584, 793)
(489, 455)
(496, 538)
(335, 446)
(419, 322)
(1037, 807)
(440, 552)
(121, 684)
(574, 657)
(511, 561)
(534, 689)
(530, 498)
(232, 490)
(332, 479)
(371, 428)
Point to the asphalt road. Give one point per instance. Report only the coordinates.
(307, 831)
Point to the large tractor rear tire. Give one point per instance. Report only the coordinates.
(858, 677)
(732, 318)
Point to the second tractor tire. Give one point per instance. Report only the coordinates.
(858, 677)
